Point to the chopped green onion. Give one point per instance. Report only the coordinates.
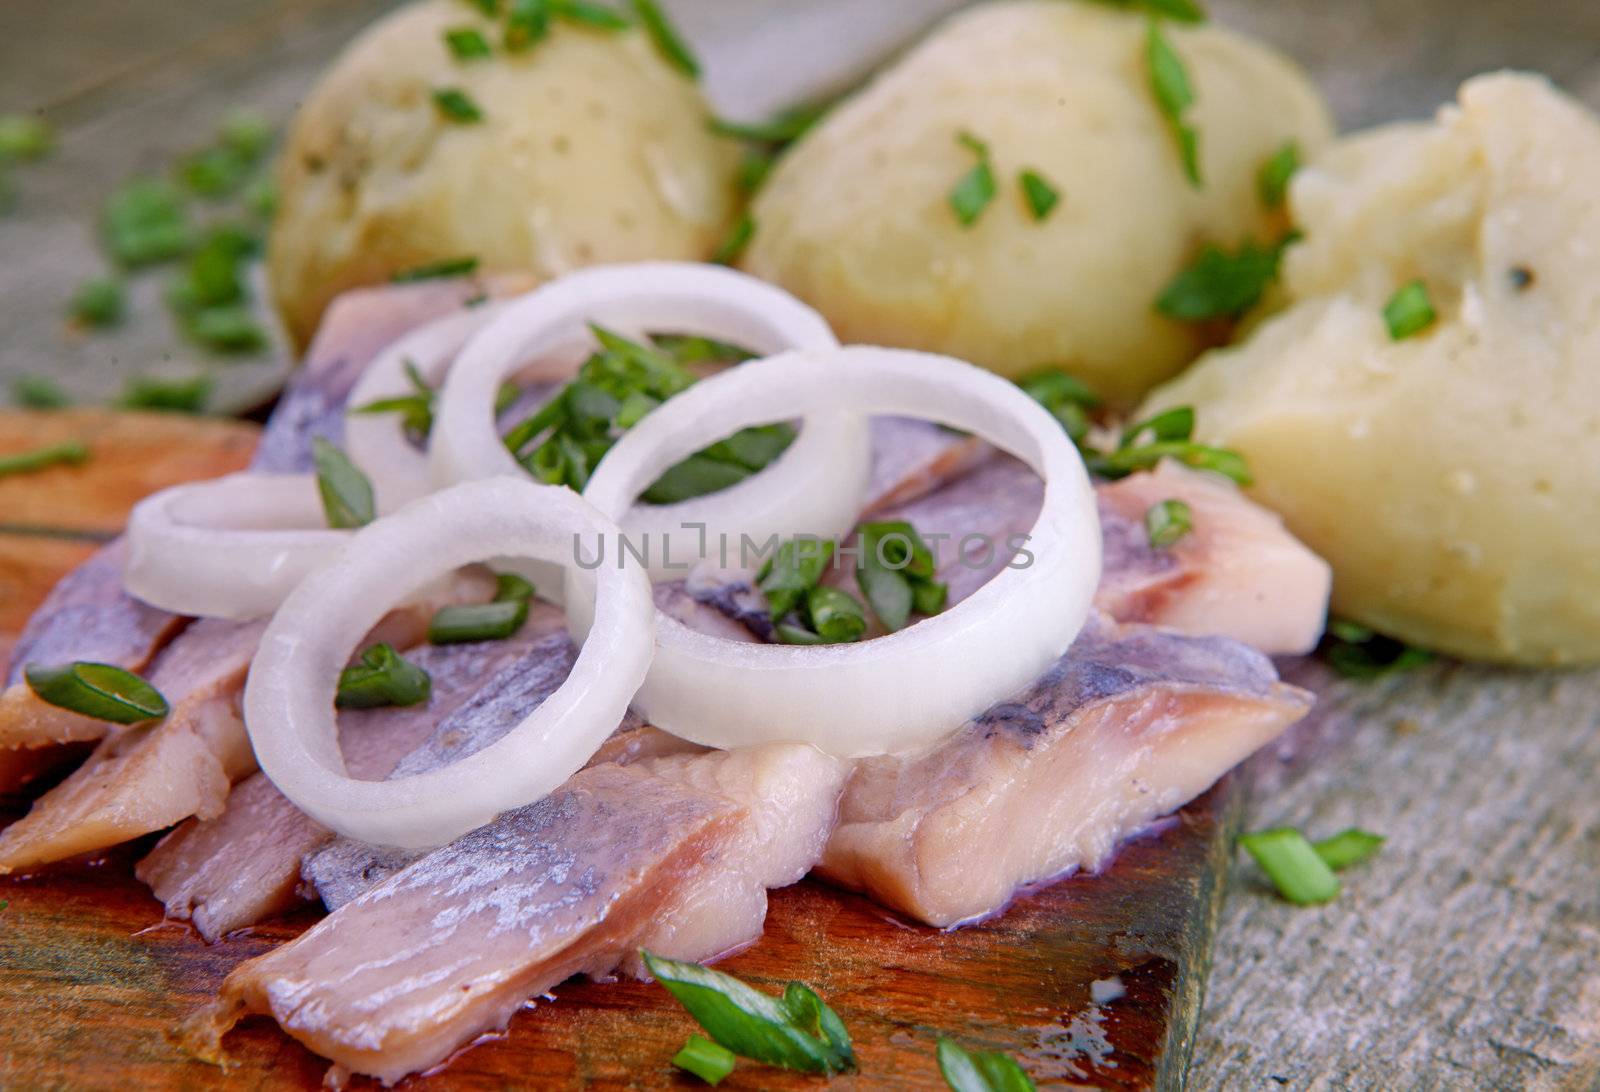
(1292, 864)
(477, 622)
(1409, 311)
(1169, 80)
(1179, 11)
(467, 43)
(689, 349)
(1220, 285)
(797, 1031)
(382, 677)
(39, 392)
(487, 8)
(429, 271)
(666, 38)
(1068, 399)
(484, 621)
(98, 302)
(929, 596)
(591, 15)
(101, 691)
(1176, 423)
(24, 136)
(527, 24)
(1167, 522)
(456, 105)
(1348, 847)
(695, 476)
(976, 189)
(144, 222)
(1040, 194)
(796, 567)
(261, 198)
(1272, 180)
(228, 329)
(346, 492)
(247, 133)
(739, 236)
(66, 453)
(213, 172)
(784, 128)
(167, 395)
(1357, 652)
(981, 1070)
(836, 616)
(788, 633)
(888, 593)
(1124, 461)
(704, 1059)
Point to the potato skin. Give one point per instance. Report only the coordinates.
(592, 149)
(855, 219)
(1453, 478)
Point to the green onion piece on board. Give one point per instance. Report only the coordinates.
(1293, 865)
(704, 1059)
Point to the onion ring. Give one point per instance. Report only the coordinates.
(899, 691)
(232, 547)
(376, 443)
(289, 698)
(817, 485)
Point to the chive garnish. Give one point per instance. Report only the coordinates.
(591, 15)
(98, 302)
(209, 298)
(144, 222)
(981, 1070)
(102, 691)
(1409, 311)
(456, 105)
(796, 1031)
(1068, 399)
(1293, 865)
(894, 571)
(24, 136)
(467, 43)
(796, 567)
(783, 128)
(1348, 847)
(666, 38)
(973, 193)
(346, 492)
(1358, 652)
(166, 395)
(836, 616)
(488, 8)
(1179, 11)
(1167, 522)
(382, 677)
(526, 24)
(437, 270)
(738, 238)
(1222, 285)
(704, 1059)
(689, 349)
(1167, 435)
(1169, 80)
(38, 392)
(1272, 180)
(491, 621)
(1039, 193)
(66, 453)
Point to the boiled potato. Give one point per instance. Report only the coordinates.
(856, 221)
(591, 149)
(1452, 478)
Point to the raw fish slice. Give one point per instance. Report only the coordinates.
(1238, 572)
(86, 617)
(244, 865)
(1131, 724)
(143, 779)
(456, 943)
(911, 458)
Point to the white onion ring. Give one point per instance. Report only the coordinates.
(289, 698)
(375, 441)
(816, 486)
(231, 547)
(906, 689)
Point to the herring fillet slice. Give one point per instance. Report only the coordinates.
(1131, 724)
(453, 945)
(148, 777)
(243, 866)
(1239, 572)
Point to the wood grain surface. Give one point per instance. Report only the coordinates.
(1464, 956)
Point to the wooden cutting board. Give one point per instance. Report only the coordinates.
(93, 980)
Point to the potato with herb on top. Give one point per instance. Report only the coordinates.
(430, 140)
(1426, 412)
(882, 216)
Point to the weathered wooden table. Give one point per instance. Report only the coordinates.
(1467, 955)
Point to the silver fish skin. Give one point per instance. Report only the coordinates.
(1131, 724)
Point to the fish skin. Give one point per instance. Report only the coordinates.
(455, 944)
(243, 866)
(1131, 724)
